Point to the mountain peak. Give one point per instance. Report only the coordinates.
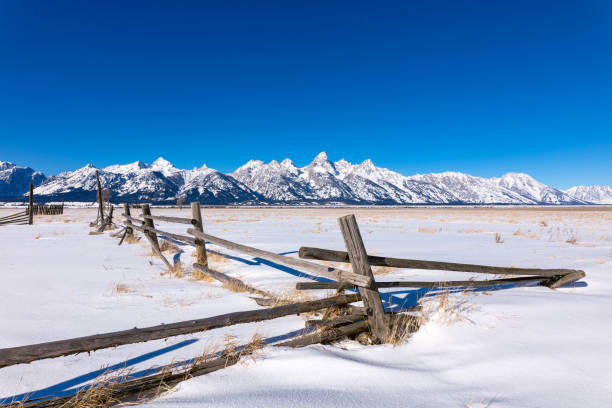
(287, 163)
(321, 157)
(5, 165)
(160, 162)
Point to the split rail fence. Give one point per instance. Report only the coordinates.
(349, 320)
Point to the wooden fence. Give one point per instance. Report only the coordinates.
(349, 319)
(22, 217)
(46, 209)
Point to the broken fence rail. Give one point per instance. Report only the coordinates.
(553, 278)
(26, 354)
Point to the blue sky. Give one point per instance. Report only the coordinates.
(483, 87)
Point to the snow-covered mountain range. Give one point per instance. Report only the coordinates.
(320, 182)
(15, 180)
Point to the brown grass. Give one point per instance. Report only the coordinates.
(498, 238)
(424, 230)
(167, 246)
(572, 240)
(121, 288)
(446, 308)
(177, 270)
(401, 327)
(131, 239)
(469, 231)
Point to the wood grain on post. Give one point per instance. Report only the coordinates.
(100, 207)
(196, 215)
(148, 222)
(342, 256)
(26, 354)
(31, 206)
(359, 261)
(126, 211)
(149, 232)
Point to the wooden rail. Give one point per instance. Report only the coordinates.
(414, 284)
(311, 267)
(20, 218)
(342, 256)
(26, 354)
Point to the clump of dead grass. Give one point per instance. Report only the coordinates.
(498, 238)
(469, 231)
(131, 239)
(424, 230)
(447, 308)
(177, 270)
(121, 288)
(573, 239)
(167, 246)
(401, 327)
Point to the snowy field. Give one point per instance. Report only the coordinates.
(525, 346)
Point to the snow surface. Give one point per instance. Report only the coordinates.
(520, 347)
(592, 194)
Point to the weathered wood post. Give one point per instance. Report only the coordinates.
(152, 235)
(110, 215)
(196, 220)
(100, 207)
(31, 205)
(128, 223)
(148, 222)
(358, 258)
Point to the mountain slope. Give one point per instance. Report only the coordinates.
(591, 194)
(319, 182)
(15, 180)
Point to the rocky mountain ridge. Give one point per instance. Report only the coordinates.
(320, 182)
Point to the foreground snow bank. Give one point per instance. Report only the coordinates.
(527, 346)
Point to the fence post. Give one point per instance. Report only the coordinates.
(359, 261)
(152, 235)
(100, 207)
(31, 206)
(128, 223)
(148, 222)
(196, 220)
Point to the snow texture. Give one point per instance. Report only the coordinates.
(524, 346)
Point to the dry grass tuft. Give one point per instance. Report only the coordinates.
(177, 270)
(401, 327)
(446, 308)
(291, 296)
(469, 231)
(167, 246)
(38, 236)
(131, 239)
(424, 230)
(498, 238)
(121, 288)
(543, 223)
(573, 239)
